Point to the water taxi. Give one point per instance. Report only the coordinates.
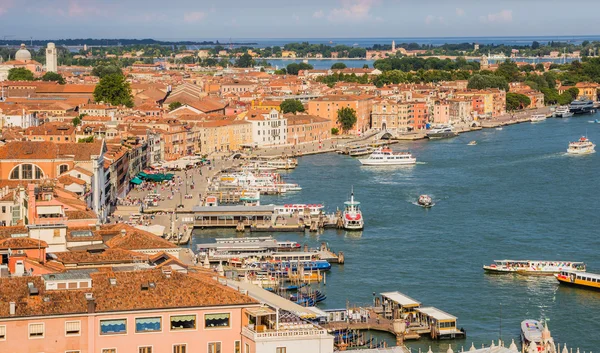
(472, 143)
(579, 279)
(352, 216)
(425, 201)
(536, 118)
(529, 267)
(499, 128)
(583, 146)
(385, 156)
(288, 163)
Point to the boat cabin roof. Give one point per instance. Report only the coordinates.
(436, 314)
(350, 203)
(403, 300)
(582, 274)
(538, 261)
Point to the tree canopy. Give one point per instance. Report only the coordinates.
(20, 74)
(338, 66)
(291, 106)
(294, 68)
(106, 69)
(516, 101)
(479, 81)
(174, 105)
(114, 89)
(245, 61)
(346, 116)
(53, 76)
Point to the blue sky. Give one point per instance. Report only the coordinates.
(197, 19)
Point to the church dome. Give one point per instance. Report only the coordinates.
(23, 54)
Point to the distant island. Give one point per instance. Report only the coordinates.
(113, 42)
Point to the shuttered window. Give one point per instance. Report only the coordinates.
(179, 348)
(72, 328)
(36, 330)
(2, 332)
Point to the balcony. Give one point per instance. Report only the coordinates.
(312, 332)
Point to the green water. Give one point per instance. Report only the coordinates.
(514, 195)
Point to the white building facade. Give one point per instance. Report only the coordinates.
(268, 129)
(51, 58)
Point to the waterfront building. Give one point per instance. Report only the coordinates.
(51, 58)
(441, 113)
(327, 107)
(304, 128)
(268, 127)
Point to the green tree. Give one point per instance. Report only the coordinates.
(338, 66)
(574, 92)
(509, 70)
(335, 131)
(293, 68)
(365, 66)
(20, 74)
(89, 139)
(105, 69)
(76, 121)
(53, 76)
(244, 61)
(479, 81)
(174, 105)
(564, 98)
(346, 116)
(535, 45)
(517, 101)
(539, 67)
(114, 89)
(291, 106)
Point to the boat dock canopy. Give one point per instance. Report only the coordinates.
(274, 300)
(234, 209)
(401, 299)
(436, 314)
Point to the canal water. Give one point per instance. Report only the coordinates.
(515, 195)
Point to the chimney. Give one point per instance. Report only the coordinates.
(91, 303)
(13, 308)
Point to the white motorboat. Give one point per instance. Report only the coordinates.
(499, 128)
(352, 216)
(385, 156)
(536, 338)
(425, 201)
(360, 151)
(562, 111)
(531, 267)
(472, 143)
(536, 118)
(441, 132)
(582, 146)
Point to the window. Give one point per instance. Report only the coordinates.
(113, 327)
(246, 348)
(145, 350)
(63, 168)
(72, 328)
(280, 350)
(3, 209)
(72, 351)
(2, 333)
(214, 347)
(183, 322)
(36, 330)
(15, 173)
(148, 324)
(179, 348)
(109, 350)
(216, 320)
(237, 347)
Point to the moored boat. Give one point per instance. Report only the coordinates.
(360, 151)
(581, 106)
(562, 112)
(536, 337)
(441, 133)
(529, 267)
(536, 118)
(582, 146)
(579, 279)
(385, 156)
(472, 143)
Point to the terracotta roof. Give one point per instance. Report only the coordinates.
(6, 232)
(136, 239)
(131, 291)
(104, 257)
(78, 214)
(68, 180)
(75, 234)
(22, 243)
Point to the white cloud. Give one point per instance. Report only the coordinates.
(319, 14)
(195, 16)
(5, 5)
(429, 19)
(460, 12)
(353, 10)
(503, 16)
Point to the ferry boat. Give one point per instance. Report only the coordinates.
(352, 216)
(529, 267)
(425, 201)
(536, 118)
(441, 133)
(385, 156)
(562, 111)
(581, 106)
(583, 146)
(288, 163)
(579, 279)
(360, 151)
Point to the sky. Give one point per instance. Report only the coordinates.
(214, 19)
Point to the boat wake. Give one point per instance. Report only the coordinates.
(421, 163)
